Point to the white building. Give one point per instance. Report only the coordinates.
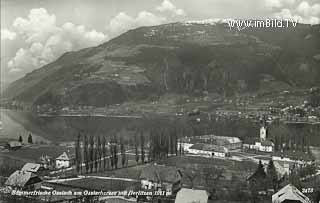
(231, 143)
(209, 150)
(262, 146)
(64, 160)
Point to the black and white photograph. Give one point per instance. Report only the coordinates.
(160, 101)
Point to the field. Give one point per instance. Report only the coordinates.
(230, 168)
(102, 184)
(32, 153)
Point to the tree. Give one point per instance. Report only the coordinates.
(257, 182)
(123, 152)
(191, 175)
(99, 152)
(150, 154)
(78, 154)
(96, 157)
(30, 141)
(142, 147)
(272, 176)
(136, 148)
(85, 153)
(111, 155)
(20, 139)
(115, 153)
(212, 176)
(176, 143)
(104, 152)
(91, 158)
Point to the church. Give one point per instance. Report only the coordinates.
(262, 144)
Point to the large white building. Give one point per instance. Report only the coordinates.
(231, 143)
(209, 150)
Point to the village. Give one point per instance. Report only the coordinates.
(162, 167)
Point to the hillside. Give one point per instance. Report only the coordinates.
(181, 58)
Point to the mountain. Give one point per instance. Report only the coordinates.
(181, 58)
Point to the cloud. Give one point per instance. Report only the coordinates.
(167, 6)
(300, 10)
(46, 41)
(123, 22)
(7, 34)
(23, 58)
(274, 4)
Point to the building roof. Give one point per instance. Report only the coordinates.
(65, 157)
(14, 144)
(161, 173)
(21, 178)
(209, 147)
(267, 143)
(31, 167)
(289, 192)
(225, 139)
(186, 195)
(212, 139)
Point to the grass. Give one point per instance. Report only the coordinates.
(197, 164)
(32, 153)
(99, 184)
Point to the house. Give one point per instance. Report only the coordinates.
(209, 150)
(291, 194)
(14, 145)
(65, 160)
(154, 177)
(23, 180)
(31, 167)
(186, 195)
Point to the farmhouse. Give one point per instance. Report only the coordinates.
(160, 176)
(14, 145)
(289, 193)
(23, 180)
(65, 160)
(186, 195)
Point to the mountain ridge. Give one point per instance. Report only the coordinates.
(181, 58)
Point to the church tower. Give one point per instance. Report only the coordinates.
(263, 133)
(263, 130)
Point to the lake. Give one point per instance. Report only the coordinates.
(58, 129)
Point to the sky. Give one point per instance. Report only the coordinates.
(37, 32)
